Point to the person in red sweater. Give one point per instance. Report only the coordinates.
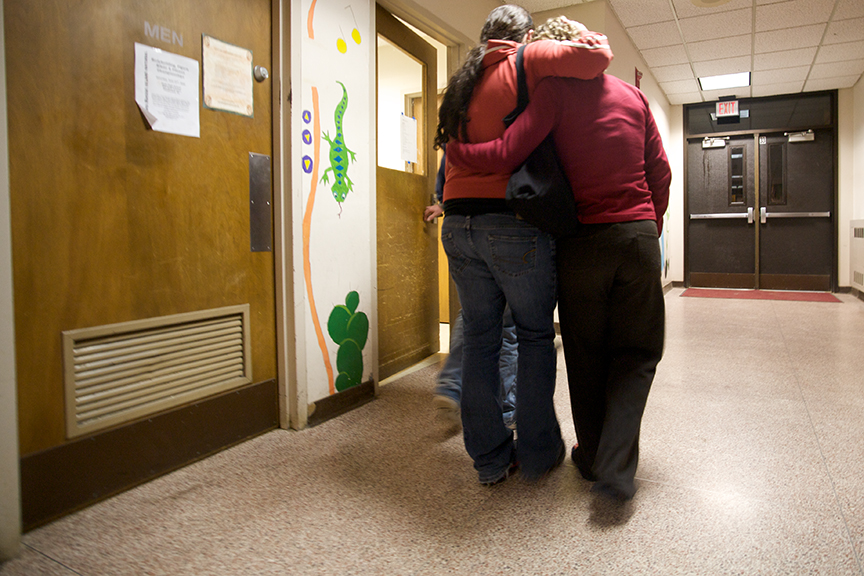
(495, 258)
(610, 306)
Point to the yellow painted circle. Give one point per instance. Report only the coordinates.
(340, 44)
(356, 35)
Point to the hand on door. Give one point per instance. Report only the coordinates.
(432, 212)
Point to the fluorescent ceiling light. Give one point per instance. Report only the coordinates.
(725, 81)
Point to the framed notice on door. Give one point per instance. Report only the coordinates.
(227, 77)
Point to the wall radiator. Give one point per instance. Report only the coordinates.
(122, 372)
(856, 244)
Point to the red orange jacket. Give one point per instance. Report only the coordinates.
(606, 139)
(495, 96)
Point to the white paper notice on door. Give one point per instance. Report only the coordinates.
(408, 139)
(166, 90)
(227, 77)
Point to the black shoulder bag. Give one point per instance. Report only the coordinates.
(538, 191)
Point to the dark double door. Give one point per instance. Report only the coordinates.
(761, 211)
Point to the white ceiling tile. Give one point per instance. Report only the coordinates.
(665, 56)
(792, 14)
(831, 69)
(680, 86)
(720, 48)
(775, 89)
(849, 9)
(777, 40)
(640, 12)
(684, 98)
(840, 52)
(686, 8)
(655, 35)
(776, 76)
(672, 73)
(845, 31)
(725, 66)
(786, 59)
(780, 39)
(831, 83)
(742, 92)
(720, 25)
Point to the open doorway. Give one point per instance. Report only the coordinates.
(397, 64)
(407, 261)
(446, 308)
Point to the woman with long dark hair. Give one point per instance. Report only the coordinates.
(497, 259)
(611, 303)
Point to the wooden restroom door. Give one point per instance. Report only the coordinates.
(115, 222)
(408, 324)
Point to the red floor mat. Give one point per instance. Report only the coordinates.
(760, 295)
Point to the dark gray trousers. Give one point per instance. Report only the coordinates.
(612, 317)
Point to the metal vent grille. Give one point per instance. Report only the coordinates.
(122, 372)
(856, 254)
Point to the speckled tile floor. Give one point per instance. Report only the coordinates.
(751, 457)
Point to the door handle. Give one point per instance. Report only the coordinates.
(798, 215)
(721, 216)
(261, 74)
(764, 215)
(750, 218)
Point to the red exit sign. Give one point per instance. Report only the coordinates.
(727, 108)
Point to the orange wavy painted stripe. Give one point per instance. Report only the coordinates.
(309, 20)
(307, 228)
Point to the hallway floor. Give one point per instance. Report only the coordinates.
(752, 453)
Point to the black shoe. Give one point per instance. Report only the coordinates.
(562, 451)
(510, 471)
(585, 471)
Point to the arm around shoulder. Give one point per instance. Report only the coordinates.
(507, 153)
(585, 59)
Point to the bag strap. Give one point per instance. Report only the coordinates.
(522, 83)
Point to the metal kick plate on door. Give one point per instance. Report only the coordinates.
(260, 212)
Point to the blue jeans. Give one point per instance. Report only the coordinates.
(450, 377)
(495, 260)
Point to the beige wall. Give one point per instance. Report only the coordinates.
(845, 182)
(858, 150)
(851, 172)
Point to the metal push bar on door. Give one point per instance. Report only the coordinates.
(764, 215)
(725, 216)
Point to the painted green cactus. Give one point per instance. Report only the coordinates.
(349, 329)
